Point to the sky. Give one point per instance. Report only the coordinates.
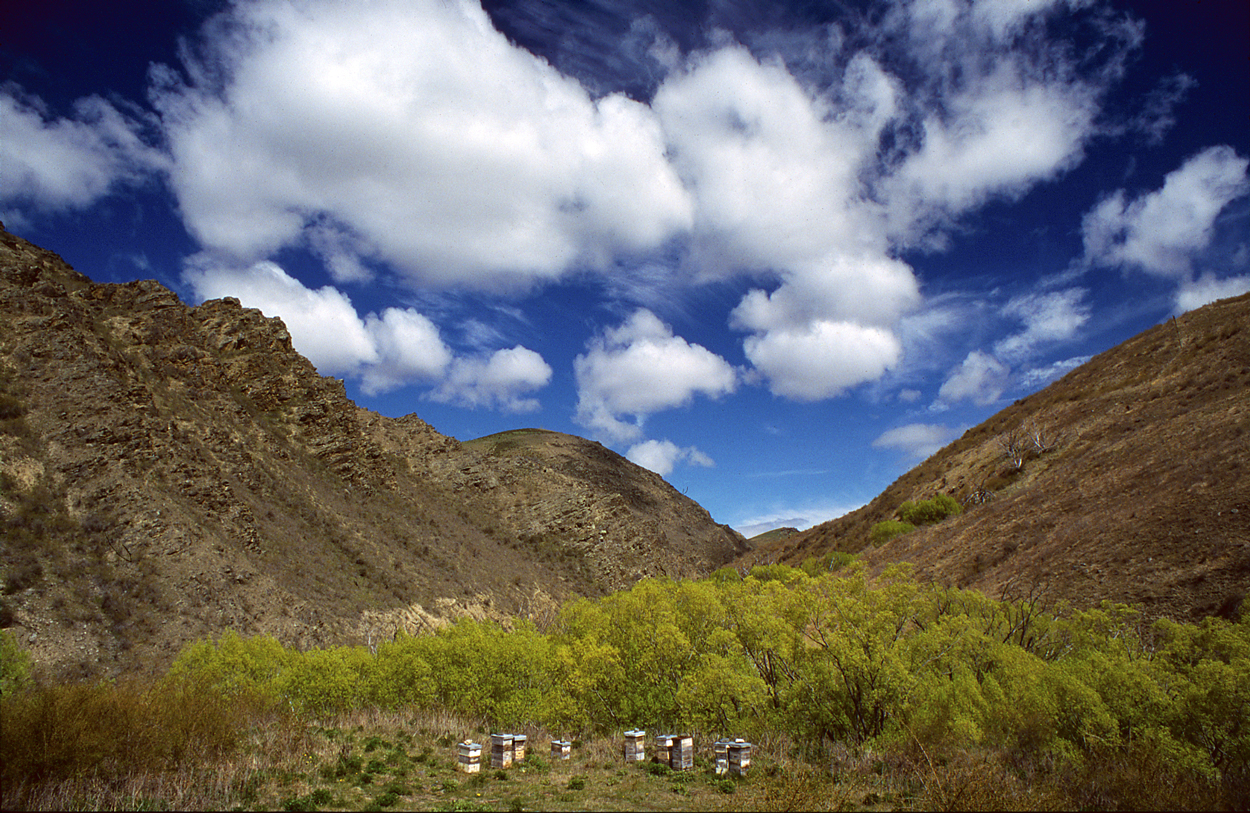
(778, 251)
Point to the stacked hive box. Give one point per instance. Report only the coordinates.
(501, 750)
(635, 746)
(721, 753)
(681, 755)
(739, 757)
(664, 748)
(561, 749)
(470, 758)
(518, 747)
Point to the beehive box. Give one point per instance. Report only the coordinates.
(469, 759)
(721, 754)
(739, 756)
(681, 755)
(635, 745)
(663, 748)
(519, 741)
(561, 749)
(501, 750)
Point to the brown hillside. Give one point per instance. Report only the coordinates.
(1138, 492)
(169, 472)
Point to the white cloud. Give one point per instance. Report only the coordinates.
(419, 129)
(800, 517)
(998, 137)
(1047, 317)
(822, 359)
(409, 350)
(1160, 232)
(68, 163)
(918, 440)
(395, 348)
(1040, 376)
(1207, 289)
(411, 136)
(323, 323)
(499, 380)
(662, 456)
(773, 173)
(981, 378)
(640, 368)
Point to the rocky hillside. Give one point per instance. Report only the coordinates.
(1128, 479)
(169, 472)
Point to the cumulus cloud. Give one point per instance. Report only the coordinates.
(640, 368)
(1160, 232)
(918, 440)
(817, 185)
(500, 380)
(662, 456)
(412, 136)
(822, 359)
(981, 378)
(57, 164)
(394, 348)
(323, 323)
(416, 127)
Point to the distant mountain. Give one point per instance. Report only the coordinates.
(1128, 480)
(169, 472)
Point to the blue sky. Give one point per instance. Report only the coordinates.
(776, 251)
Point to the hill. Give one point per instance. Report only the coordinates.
(168, 472)
(1128, 479)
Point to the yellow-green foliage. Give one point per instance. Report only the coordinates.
(883, 663)
(927, 512)
(886, 530)
(14, 665)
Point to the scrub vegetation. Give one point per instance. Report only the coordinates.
(881, 694)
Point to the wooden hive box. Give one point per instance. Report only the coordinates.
(681, 757)
(469, 758)
(739, 756)
(664, 748)
(501, 750)
(635, 745)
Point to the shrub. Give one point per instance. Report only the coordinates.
(927, 512)
(883, 532)
(14, 665)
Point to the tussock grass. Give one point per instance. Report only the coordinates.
(124, 745)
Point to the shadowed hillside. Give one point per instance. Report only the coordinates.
(1128, 479)
(169, 472)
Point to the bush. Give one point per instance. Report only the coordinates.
(927, 512)
(883, 532)
(14, 665)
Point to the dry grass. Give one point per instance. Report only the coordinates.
(105, 746)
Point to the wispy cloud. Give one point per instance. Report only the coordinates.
(1160, 232)
(917, 440)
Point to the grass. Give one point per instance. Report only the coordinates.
(109, 746)
(174, 746)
